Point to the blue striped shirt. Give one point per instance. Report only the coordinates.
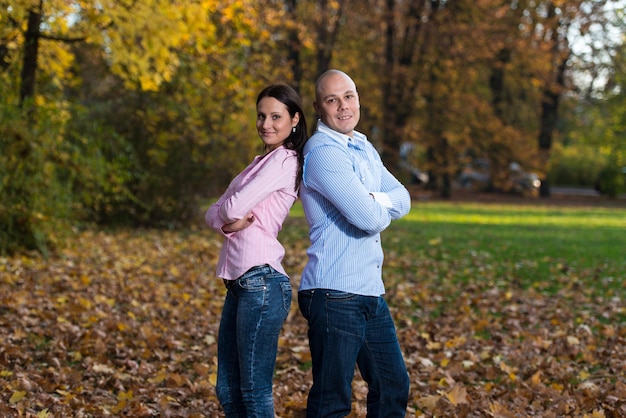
(345, 221)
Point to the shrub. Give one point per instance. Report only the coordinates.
(612, 180)
(575, 165)
(34, 206)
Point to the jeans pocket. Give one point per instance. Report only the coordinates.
(304, 303)
(253, 284)
(338, 295)
(286, 291)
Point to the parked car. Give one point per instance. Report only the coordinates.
(417, 176)
(477, 177)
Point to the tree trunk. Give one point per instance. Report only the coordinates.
(31, 50)
(327, 28)
(551, 96)
(400, 82)
(327, 31)
(390, 126)
(549, 118)
(497, 84)
(294, 46)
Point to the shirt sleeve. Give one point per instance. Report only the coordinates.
(276, 173)
(212, 216)
(242, 196)
(382, 198)
(397, 193)
(328, 170)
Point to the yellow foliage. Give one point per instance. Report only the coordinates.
(43, 413)
(142, 39)
(145, 45)
(160, 377)
(458, 395)
(128, 396)
(597, 413)
(428, 402)
(499, 411)
(17, 396)
(557, 386)
(213, 378)
(455, 342)
(535, 380)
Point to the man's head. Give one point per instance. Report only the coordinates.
(337, 101)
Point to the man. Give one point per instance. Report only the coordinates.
(349, 197)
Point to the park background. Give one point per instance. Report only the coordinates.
(120, 121)
(137, 112)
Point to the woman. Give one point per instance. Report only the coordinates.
(249, 215)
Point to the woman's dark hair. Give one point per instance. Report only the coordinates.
(296, 140)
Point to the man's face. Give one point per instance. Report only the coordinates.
(337, 103)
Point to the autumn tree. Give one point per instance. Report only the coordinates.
(436, 57)
(35, 205)
(546, 34)
(141, 143)
(190, 135)
(556, 24)
(596, 122)
(405, 43)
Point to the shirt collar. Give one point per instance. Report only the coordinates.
(342, 138)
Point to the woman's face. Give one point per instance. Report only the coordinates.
(273, 122)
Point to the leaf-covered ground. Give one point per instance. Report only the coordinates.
(125, 324)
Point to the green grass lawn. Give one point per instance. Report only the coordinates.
(530, 244)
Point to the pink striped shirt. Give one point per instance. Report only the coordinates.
(265, 188)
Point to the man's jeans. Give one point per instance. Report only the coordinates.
(256, 305)
(345, 329)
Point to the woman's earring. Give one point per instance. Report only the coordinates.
(293, 129)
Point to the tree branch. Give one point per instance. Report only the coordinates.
(62, 38)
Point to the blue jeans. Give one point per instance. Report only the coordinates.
(256, 305)
(347, 329)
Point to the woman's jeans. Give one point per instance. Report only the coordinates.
(256, 305)
(345, 329)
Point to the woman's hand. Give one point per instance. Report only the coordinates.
(239, 224)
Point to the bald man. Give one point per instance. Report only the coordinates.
(349, 198)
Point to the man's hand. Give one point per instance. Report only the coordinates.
(239, 224)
